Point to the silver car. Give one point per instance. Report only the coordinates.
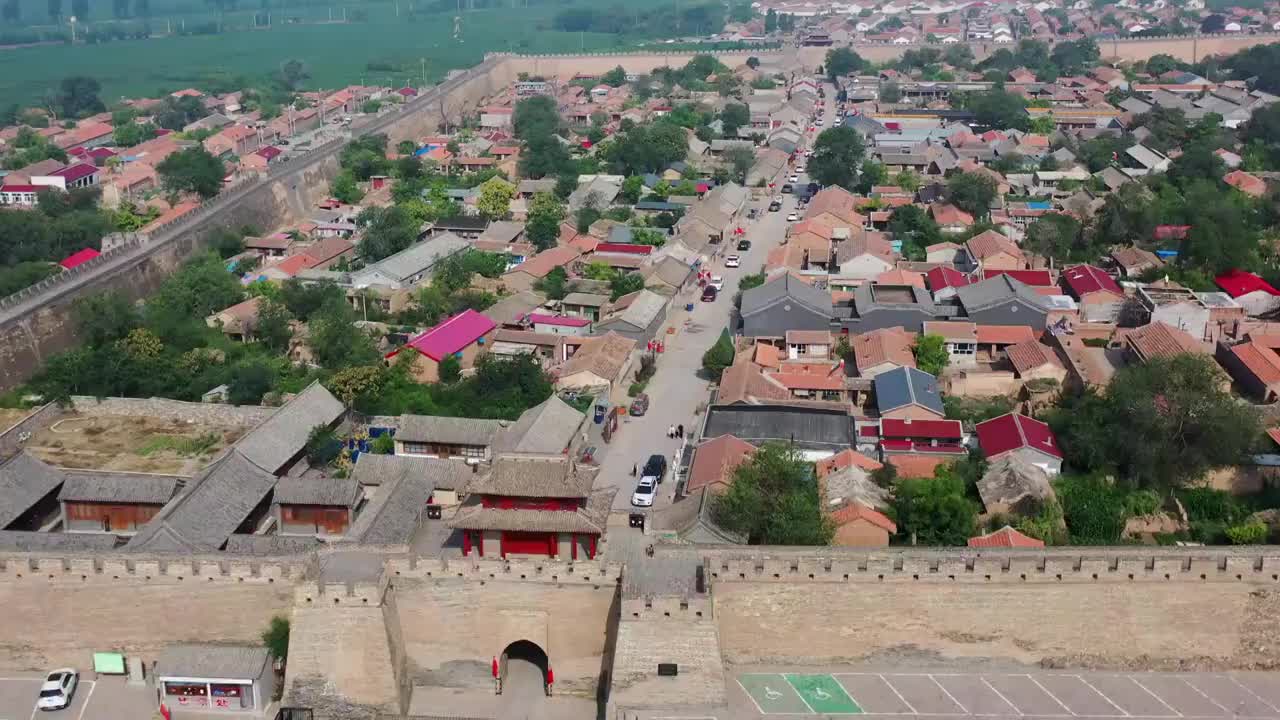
(58, 689)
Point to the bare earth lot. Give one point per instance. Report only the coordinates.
(131, 444)
(10, 417)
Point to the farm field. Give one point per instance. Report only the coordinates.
(385, 49)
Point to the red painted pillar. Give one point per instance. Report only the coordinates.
(591, 553)
(502, 545)
(466, 543)
(553, 544)
(480, 541)
(573, 547)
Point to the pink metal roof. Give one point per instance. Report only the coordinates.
(561, 320)
(1013, 431)
(22, 188)
(945, 277)
(79, 171)
(626, 248)
(79, 257)
(452, 335)
(1034, 278)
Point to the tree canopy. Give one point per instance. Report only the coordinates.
(836, 155)
(773, 500)
(192, 170)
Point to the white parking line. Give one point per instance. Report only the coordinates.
(1159, 699)
(1001, 695)
(1256, 695)
(895, 692)
(1051, 695)
(1206, 697)
(1102, 695)
(85, 706)
(951, 697)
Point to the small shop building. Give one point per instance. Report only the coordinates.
(215, 678)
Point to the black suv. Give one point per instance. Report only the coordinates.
(655, 466)
(744, 245)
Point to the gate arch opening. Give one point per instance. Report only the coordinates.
(526, 651)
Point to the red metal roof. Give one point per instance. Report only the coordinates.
(269, 152)
(626, 248)
(945, 277)
(1014, 431)
(1084, 279)
(933, 429)
(1005, 537)
(1238, 282)
(1034, 278)
(79, 171)
(23, 188)
(79, 257)
(452, 335)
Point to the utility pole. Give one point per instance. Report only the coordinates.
(424, 73)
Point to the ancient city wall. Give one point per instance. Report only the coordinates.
(62, 607)
(165, 409)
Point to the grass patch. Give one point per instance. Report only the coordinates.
(180, 445)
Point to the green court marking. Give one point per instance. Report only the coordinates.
(824, 695)
(773, 695)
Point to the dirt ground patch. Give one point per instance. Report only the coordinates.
(131, 444)
(10, 417)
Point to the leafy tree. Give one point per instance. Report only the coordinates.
(841, 62)
(335, 343)
(495, 198)
(536, 116)
(891, 92)
(616, 77)
(193, 170)
(719, 356)
(972, 192)
(542, 227)
(304, 299)
(200, 288)
(249, 383)
(323, 446)
(1160, 424)
(276, 638)
(387, 231)
(647, 148)
(293, 75)
(753, 62)
(1075, 56)
(836, 155)
(273, 329)
(1221, 237)
(365, 157)
(740, 160)
(1057, 236)
(1093, 508)
(104, 318)
(625, 284)
(770, 23)
(631, 189)
(935, 511)
(916, 229)
(177, 113)
(555, 284)
(997, 109)
(132, 133)
(931, 354)
(78, 97)
(773, 500)
(733, 116)
(1128, 215)
(351, 384)
(450, 370)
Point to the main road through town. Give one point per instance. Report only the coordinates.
(678, 390)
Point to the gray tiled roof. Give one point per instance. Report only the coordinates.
(786, 287)
(996, 290)
(228, 662)
(448, 430)
(282, 436)
(809, 428)
(371, 469)
(533, 476)
(391, 517)
(417, 258)
(23, 541)
(271, 544)
(643, 310)
(118, 487)
(511, 308)
(330, 491)
(209, 510)
(586, 299)
(24, 481)
(546, 428)
(905, 386)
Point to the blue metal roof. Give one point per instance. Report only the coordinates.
(907, 386)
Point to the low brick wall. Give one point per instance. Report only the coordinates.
(164, 409)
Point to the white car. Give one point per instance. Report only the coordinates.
(645, 491)
(793, 217)
(794, 179)
(717, 282)
(799, 169)
(58, 689)
(808, 152)
(732, 261)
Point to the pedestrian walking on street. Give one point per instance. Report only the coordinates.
(671, 431)
(633, 469)
(680, 431)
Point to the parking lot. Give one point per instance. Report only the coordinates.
(106, 699)
(1240, 696)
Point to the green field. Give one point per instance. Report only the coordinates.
(336, 54)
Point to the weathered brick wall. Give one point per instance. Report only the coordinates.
(165, 409)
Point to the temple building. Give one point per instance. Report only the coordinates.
(533, 505)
